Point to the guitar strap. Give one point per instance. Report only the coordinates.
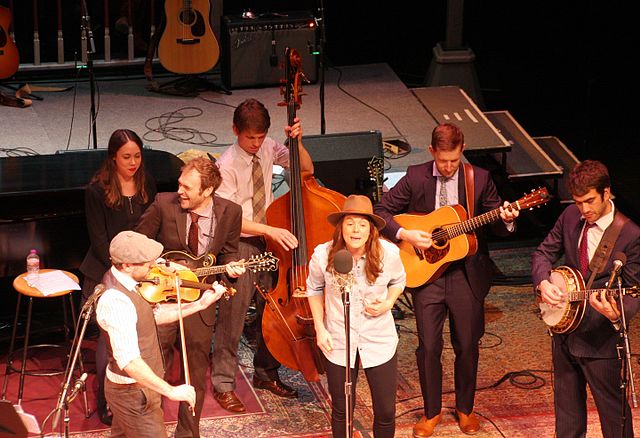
(468, 187)
(605, 248)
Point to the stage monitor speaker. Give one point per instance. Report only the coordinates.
(341, 161)
(253, 49)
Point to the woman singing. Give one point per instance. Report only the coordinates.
(376, 280)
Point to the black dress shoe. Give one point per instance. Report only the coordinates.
(276, 387)
(229, 401)
(105, 415)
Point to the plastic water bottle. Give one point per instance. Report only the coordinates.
(33, 268)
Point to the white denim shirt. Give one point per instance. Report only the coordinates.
(373, 337)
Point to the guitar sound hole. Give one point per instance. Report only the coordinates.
(187, 17)
(439, 236)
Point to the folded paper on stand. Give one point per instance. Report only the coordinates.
(55, 281)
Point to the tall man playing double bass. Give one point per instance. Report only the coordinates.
(197, 221)
(247, 168)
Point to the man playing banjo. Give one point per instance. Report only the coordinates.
(590, 234)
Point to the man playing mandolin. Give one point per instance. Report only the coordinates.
(134, 383)
(588, 354)
(460, 292)
(197, 221)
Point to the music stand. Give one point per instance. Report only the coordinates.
(11, 425)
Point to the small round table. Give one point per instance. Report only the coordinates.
(22, 287)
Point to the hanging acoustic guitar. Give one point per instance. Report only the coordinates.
(188, 44)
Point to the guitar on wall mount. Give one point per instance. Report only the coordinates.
(452, 235)
(9, 58)
(188, 44)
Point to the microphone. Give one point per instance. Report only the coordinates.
(342, 266)
(618, 263)
(342, 262)
(97, 293)
(77, 387)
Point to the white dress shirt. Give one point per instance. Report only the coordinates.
(595, 233)
(236, 168)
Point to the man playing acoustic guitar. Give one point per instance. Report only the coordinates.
(460, 292)
(589, 355)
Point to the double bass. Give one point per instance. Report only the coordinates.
(287, 323)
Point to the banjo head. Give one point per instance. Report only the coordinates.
(562, 319)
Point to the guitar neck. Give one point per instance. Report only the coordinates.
(476, 222)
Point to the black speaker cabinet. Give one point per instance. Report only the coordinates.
(253, 49)
(341, 161)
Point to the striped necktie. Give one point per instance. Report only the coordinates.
(259, 199)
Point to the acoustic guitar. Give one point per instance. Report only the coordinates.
(452, 235)
(188, 44)
(9, 58)
(566, 318)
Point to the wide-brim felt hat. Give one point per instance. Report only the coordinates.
(360, 205)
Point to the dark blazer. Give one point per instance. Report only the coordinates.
(103, 223)
(595, 336)
(166, 222)
(416, 193)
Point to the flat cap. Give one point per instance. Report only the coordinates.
(132, 247)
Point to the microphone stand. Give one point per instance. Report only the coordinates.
(346, 301)
(87, 33)
(65, 398)
(627, 372)
(321, 47)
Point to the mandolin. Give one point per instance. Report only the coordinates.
(9, 58)
(188, 44)
(204, 265)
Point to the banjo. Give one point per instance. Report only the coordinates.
(566, 318)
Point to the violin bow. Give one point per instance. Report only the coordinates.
(183, 344)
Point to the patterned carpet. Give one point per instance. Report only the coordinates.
(515, 398)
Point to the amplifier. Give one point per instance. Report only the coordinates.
(253, 49)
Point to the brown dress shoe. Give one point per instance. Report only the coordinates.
(229, 401)
(276, 387)
(425, 426)
(469, 424)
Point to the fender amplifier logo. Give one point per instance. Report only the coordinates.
(243, 39)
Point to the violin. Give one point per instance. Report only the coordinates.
(160, 286)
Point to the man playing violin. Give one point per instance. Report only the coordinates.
(589, 355)
(134, 383)
(197, 221)
(247, 168)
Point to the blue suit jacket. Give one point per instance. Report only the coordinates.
(416, 193)
(595, 336)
